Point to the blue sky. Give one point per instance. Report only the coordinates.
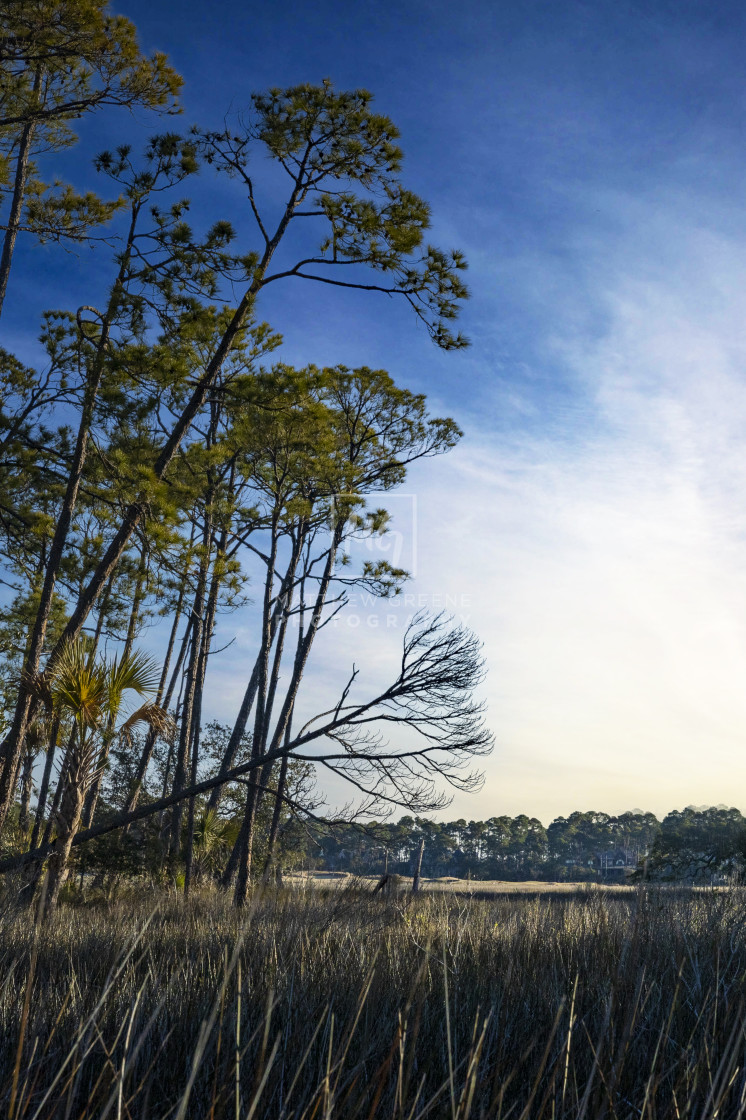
(590, 159)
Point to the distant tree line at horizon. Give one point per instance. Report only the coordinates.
(696, 844)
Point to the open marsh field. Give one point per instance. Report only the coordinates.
(327, 1004)
(473, 887)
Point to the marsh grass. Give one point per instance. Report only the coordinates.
(330, 1004)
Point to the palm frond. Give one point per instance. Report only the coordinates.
(39, 686)
(213, 834)
(84, 696)
(135, 672)
(74, 656)
(78, 685)
(156, 717)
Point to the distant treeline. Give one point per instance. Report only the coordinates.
(695, 844)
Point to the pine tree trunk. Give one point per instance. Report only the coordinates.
(305, 642)
(243, 854)
(196, 732)
(418, 868)
(239, 730)
(103, 610)
(187, 710)
(243, 876)
(261, 739)
(19, 193)
(60, 788)
(239, 727)
(244, 846)
(231, 867)
(44, 788)
(282, 780)
(207, 632)
(27, 775)
(276, 814)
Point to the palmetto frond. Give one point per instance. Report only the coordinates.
(135, 672)
(213, 834)
(39, 686)
(74, 657)
(153, 715)
(92, 691)
(78, 685)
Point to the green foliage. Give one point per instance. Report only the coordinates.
(331, 146)
(81, 56)
(312, 443)
(508, 848)
(58, 213)
(91, 690)
(177, 460)
(694, 845)
(86, 57)
(698, 844)
(61, 59)
(213, 840)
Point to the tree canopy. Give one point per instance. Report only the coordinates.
(161, 470)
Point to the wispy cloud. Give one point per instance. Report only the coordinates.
(608, 564)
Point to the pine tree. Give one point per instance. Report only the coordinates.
(59, 60)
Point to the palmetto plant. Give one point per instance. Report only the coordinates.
(91, 693)
(213, 837)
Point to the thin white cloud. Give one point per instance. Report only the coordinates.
(611, 570)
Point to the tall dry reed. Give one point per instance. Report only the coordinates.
(335, 1005)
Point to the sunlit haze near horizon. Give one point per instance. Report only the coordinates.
(590, 161)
